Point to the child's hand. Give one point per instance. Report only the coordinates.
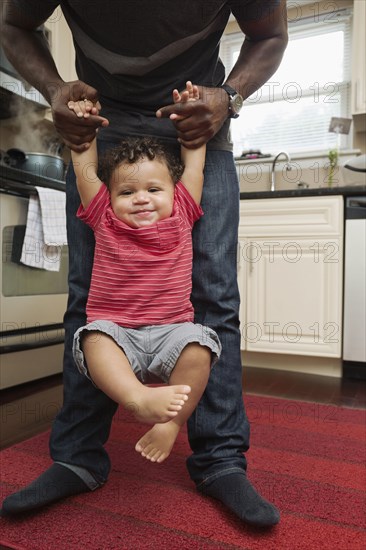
(191, 93)
(84, 108)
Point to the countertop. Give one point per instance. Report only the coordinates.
(348, 191)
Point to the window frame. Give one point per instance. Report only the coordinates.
(300, 28)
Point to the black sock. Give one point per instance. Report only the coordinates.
(238, 494)
(55, 483)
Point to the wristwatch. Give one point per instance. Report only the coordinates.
(235, 101)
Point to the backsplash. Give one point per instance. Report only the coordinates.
(311, 171)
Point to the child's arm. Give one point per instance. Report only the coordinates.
(192, 177)
(193, 159)
(85, 163)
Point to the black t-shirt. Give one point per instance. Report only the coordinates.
(135, 52)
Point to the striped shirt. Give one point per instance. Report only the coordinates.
(141, 276)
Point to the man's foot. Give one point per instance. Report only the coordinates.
(159, 404)
(157, 443)
(239, 495)
(54, 484)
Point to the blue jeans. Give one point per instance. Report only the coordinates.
(218, 430)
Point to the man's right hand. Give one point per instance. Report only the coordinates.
(76, 132)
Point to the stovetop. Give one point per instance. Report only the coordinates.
(19, 181)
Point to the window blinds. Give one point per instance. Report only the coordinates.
(293, 109)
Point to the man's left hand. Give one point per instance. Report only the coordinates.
(198, 120)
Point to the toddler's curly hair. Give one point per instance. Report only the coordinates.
(131, 151)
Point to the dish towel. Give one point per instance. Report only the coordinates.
(45, 232)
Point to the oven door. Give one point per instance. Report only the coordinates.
(33, 302)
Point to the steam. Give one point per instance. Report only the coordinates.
(29, 131)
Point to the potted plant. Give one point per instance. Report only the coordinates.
(333, 163)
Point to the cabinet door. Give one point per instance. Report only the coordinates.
(62, 47)
(294, 304)
(359, 58)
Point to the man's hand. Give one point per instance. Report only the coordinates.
(198, 120)
(77, 132)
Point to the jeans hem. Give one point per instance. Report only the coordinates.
(209, 479)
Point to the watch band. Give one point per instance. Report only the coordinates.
(229, 90)
(235, 100)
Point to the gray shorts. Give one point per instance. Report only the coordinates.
(152, 351)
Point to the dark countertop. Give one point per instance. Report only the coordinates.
(348, 191)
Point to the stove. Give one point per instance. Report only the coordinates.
(14, 180)
(33, 301)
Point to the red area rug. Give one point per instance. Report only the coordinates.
(309, 459)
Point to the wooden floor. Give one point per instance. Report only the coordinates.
(29, 409)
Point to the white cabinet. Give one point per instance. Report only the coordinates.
(62, 49)
(290, 275)
(61, 44)
(359, 58)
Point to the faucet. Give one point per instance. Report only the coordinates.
(287, 166)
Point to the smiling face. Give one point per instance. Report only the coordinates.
(142, 193)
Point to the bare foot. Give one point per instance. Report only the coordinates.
(159, 404)
(157, 443)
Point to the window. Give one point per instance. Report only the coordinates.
(292, 111)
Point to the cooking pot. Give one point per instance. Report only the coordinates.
(39, 164)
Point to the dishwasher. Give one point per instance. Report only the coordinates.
(354, 317)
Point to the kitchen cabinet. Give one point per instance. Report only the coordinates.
(62, 49)
(358, 105)
(61, 45)
(290, 274)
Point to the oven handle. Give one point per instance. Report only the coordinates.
(24, 189)
(12, 348)
(31, 330)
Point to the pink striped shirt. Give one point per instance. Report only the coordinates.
(141, 276)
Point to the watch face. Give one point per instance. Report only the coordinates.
(236, 104)
(235, 101)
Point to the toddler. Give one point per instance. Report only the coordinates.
(142, 203)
